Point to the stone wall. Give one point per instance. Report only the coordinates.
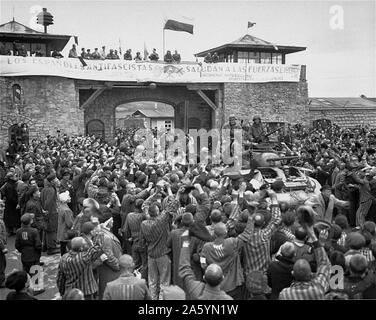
(47, 104)
(273, 101)
(51, 103)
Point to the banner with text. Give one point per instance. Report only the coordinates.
(122, 70)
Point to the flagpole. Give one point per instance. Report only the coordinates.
(121, 55)
(163, 53)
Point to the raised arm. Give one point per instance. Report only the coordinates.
(323, 264)
(203, 209)
(246, 235)
(276, 217)
(192, 286)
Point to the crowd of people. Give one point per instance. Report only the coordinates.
(127, 229)
(115, 55)
(88, 54)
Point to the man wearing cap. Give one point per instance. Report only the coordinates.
(28, 243)
(280, 270)
(232, 126)
(257, 131)
(324, 203)
(355, 242)
(197, 290)
(48, 197)
(9, 194)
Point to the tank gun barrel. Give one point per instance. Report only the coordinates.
(282, 158)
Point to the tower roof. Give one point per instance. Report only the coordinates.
(16, 27)
(16, 31)
(251, 43)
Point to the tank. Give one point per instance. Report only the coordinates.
(263, 162)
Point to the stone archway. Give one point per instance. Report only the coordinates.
(187, 103)
(7, 120)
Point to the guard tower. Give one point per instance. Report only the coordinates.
(249, 49)
(14, 33)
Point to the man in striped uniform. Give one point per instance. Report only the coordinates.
(75, 268)
(225, 252)
(257, 249)
(127, 286)
(131, 232)
(306, 287)
(154, 234)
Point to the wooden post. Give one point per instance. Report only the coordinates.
(186, 105)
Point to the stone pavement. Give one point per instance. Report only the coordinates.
(50, 271)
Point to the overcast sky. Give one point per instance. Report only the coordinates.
(340, 62)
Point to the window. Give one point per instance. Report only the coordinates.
(248, 57)
(254, 57)
(266, 57)
(16, 93)
(277, 58)
(242, 57)
(259, 57)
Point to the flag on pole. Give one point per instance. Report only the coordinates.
(251, 24)
(146, 53)
(175, 25)
(120, 49)
(76, 40)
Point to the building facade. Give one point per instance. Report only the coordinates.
(40, 104)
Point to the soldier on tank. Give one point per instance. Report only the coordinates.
(257, 130)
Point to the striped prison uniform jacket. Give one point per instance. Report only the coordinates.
(75, 271)
(127, 287)
(155, 231)
(257, 249)
(132, 228)
(317, 287)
